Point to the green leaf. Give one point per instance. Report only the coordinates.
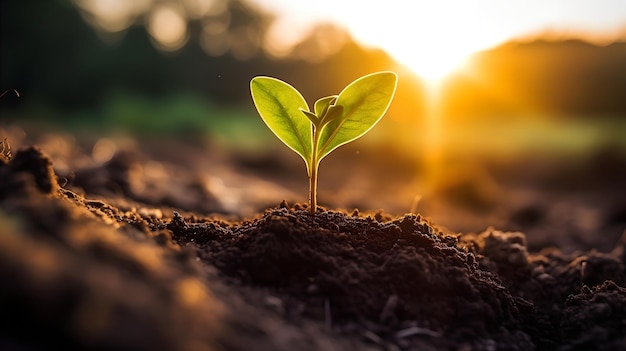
(321, 105)
(364, 103)
(280, 105)
(311, 116)
(333, 112)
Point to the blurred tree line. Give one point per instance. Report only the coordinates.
(569, 78)
(52, 55)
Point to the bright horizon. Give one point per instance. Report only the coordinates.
(436, 37)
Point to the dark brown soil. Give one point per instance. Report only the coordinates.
(112, 272)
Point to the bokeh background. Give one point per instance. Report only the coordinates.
(526, 133)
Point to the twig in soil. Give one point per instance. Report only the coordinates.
(371, 336)
(327, 315)
(390, 306)
(5, 150)
(8, 90)
(405, 333)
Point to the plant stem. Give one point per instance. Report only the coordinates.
(313, 175)
(313, 189)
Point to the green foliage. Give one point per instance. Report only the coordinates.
(279, 105)
(336, 119)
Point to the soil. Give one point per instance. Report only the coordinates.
(99, 253)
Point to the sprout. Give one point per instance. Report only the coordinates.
(335, 120)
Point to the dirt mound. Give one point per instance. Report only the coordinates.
(394, 277)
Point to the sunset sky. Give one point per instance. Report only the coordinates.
(434, 37)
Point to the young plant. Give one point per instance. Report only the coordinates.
(334, 121)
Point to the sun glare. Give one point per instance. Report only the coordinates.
(433, 45)
(434, 38)
(432, 64)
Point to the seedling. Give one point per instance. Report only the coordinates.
(335, 120)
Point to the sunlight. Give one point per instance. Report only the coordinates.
(433, 143)
(434, 38)
(433, 44)
(434, 64)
